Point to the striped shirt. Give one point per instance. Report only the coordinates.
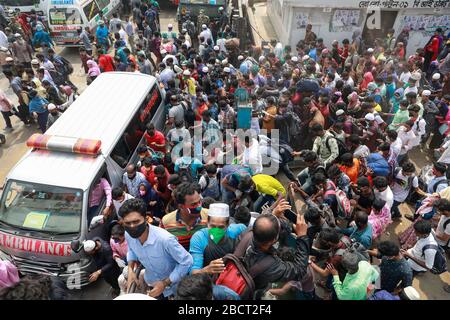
(173, 224)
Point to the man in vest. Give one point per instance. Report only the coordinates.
(209, 245)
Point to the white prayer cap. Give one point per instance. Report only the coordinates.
(186, 73)
(426, 93)
(89, 245)
(3, 49)
(205, 69)
(305, 57)
(227, 70)
(9, 59)
(170, 26)
(416, 76)
(261, 58)
(134, 296)
(436, 76)
(219, 210)
(369, 117)
(294, 59)
(241, 57)
(216, 48)
(204, 26)
(35, 61)
(225, 61)
(17, 35)
(411, 293)
(177, 69)
(370, 50)
(340, 112)
(51, 107)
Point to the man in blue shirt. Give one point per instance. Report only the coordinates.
(165, 261)
(361, 232)
(209, 245)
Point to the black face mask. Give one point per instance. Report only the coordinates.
(137, 231)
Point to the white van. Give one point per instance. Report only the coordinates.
(43, 208)
(66, 16)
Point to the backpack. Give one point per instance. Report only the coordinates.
(341, 145)
(68, 66)
(189, 114)
(212, 191)
(185, 172)
(238, 277)
(354, 247)
(436, 185)
(440, 263)
(344, 205)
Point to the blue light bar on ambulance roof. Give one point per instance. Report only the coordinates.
(64, 144)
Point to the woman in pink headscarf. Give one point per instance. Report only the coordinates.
(9, 275)
(379, 218)
(94, 70)
(368, 78)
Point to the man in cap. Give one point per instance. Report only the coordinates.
(106, 267)
(202, 19)
(223, 19)
(170, 34)
(54, 114)
(22, 51)
(205, 34)
(209, 245)
(190, 83)
(189, 26)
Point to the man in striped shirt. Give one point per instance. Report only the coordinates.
(189, 217)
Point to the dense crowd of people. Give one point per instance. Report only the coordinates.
(352, 112)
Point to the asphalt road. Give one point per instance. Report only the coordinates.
(429, 285)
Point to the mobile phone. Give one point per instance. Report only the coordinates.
(291, 215)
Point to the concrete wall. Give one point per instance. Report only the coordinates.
(290, 16)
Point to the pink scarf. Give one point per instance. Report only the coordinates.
(380, 221)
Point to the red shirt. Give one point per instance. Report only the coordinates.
(199, 111)
(158, 138)
(149, 174)
(106, 63)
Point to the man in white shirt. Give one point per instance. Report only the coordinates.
(421, 256)
(404, 182)
(419, 123)
(407, 137)
(119, 197)
(205, 34)
(442, 232)
(404, 76)
(382, 191)
(3, 40)
(396, 146)
(251, 157)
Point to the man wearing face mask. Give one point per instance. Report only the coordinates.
(190, 215)
(211, 244)
(107, 268)
(164, 259)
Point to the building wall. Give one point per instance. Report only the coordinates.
(289, 18)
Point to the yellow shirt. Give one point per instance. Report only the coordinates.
(268, 185)
(191, 87)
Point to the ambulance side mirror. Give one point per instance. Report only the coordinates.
(76, 246)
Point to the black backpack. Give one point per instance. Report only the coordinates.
(341, 146)
(440, 263)
(436, 185)
(189, 114)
